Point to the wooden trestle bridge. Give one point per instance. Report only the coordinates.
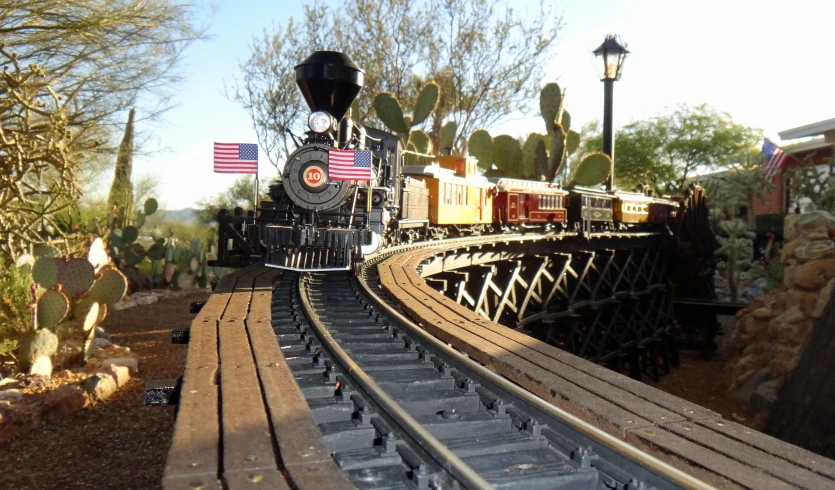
(447, 365)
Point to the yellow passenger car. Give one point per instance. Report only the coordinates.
(459, 198)
(631, 207)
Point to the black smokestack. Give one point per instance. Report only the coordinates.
(329, 81)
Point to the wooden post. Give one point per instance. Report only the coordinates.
(805, 409)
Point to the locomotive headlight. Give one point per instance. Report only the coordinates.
(320, 122)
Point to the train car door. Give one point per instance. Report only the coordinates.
(523, 206)
(512, 206)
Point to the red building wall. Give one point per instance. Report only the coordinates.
(774, 202)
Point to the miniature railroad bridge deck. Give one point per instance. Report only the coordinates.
(243, 422)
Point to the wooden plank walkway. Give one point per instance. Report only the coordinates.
(242, 420)
(690, 437)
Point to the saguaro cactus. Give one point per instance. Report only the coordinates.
(121, 192)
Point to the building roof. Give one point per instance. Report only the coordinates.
(813, 144)
(814, 129)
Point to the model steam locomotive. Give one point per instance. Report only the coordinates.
(319, 221)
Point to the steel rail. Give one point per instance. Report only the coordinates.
(435, 448)
(656, 465)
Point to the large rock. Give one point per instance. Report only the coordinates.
(815, 274)
(18, 419)
(790, 226)
(63, 401)
(42, 366)
(129, 362)
(815, 221)
(823, 299)
(814, 249)
(147, 300)
(100, 386)
(748, 382)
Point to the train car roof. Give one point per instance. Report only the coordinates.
(633, 197)
(508, 184)
(444, 175)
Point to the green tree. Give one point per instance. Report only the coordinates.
(667, 149)
(740, 185)
(70, 70)
(813, 182)
(240, 194)
(400, 46)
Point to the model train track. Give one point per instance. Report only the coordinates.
(399, 409)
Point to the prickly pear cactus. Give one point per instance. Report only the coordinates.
(45, 271)
(39, 343)
(421, 141)
(448, 134)
(480, 146)
(507, 155)
(389, 111)
(110, 287)
(550, 104)
(427, 101)
(76, 276)
(593, 169)
(53, 307)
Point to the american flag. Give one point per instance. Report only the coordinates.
(776, 160)
(236, 158)
(349, 164)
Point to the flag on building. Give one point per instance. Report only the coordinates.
(236, 158)
(776, 159)
(349, 164)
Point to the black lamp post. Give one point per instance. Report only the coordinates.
(610, 56)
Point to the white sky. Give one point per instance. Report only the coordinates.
(767, 63)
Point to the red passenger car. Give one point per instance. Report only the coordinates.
(528, 203)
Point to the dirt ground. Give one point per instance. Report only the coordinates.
(120, 443)
(706, 383)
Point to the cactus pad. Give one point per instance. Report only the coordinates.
(156, 252)
(40, 343)
(76, 276)
(556, 155)
(507, 155)
(550, 102)
(541, 161)
(45, 251)
(480, 146)
(529, 155)
(593, 169)
(139, 219)
(389, 111)
(421, 141)
(87, 314)
(185, 280)
(92, 226)
(565, 121)
(196, 246)
(53, 306)
(110, 287)
(150, 206)
(193, 264)
(448, 134)
(129, 235)
(45, 271)
(134, 254)
(116, 238)
(572, 142)
(427, 101)
(97, 255)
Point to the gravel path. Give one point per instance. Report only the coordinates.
(118, 444)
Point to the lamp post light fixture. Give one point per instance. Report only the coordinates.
(610, 56)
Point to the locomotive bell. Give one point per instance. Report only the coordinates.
(329, 81)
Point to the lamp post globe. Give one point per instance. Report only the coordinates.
(610, 57)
